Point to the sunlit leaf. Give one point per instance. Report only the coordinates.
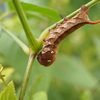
(8, 93)
(40, 96)
(7, 72)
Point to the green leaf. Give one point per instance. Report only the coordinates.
(18, 41)
(40, 96)
(37, 2)
(13, 53)
(72, 71)
(8, 93)
(47, 12)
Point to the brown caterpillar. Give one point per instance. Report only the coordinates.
(49, 51)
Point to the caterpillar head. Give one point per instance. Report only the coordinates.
(46, 58)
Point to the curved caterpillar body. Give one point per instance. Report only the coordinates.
(49, 51)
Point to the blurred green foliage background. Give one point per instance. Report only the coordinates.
(75, 75)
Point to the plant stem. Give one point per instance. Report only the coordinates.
(45, 33)
(33, 44)
(27, 75)
(31, 39)
(21, 44)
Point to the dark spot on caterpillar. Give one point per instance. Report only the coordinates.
(49, 51)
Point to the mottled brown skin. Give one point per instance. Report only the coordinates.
(45, 58)
(49, 51)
